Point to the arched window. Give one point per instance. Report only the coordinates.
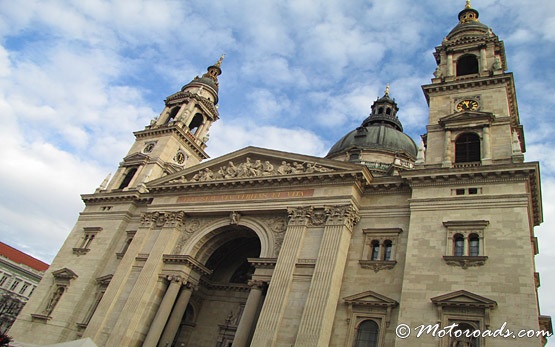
(128, 177)
(367, 334)
(196, 123)
(380, 110)
(387, 247)
(458, 246)
(173, 113)
(375, 250)
(467, 65)
(388, 111)
(467, 148)
(473, 245)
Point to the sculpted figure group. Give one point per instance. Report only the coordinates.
(256, 168)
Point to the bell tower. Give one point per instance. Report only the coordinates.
(176, 139)
(473, 118)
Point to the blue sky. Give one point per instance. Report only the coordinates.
(77, 78)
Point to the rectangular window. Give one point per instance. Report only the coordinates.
(3, 280)
(14, 285)
(24, 288)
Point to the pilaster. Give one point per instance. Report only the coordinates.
(280, 285)
(318, 315)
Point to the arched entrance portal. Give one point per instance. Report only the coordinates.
(216, 308)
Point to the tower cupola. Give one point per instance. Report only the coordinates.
(384, 111)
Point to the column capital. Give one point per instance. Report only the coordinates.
(342, 215)
(299, 215)
(176, 279)
(256, 283)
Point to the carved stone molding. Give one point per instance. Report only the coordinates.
(80, 251)
(318, 217)
(377, 265)
(256, 283)
(465, 261)
(342, 215)
(163, 219)
(299, 215)
(253, 168)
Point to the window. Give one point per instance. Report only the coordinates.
(474, 245)
(375, 250)
(369, 316)
(467, 148)
(195, 124)
(379, 249)
(474, 316)
(458, 245)
(173, 113)
(128, 239)
(88, 237)
(467, 65)
(465, 243)
(14, 285)
(128, 177)
(62, 279)
(367, 334)
(388, 246)
(24, 288)
(3, 280)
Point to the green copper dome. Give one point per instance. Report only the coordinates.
(381, 131)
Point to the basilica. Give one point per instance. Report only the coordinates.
(265, 248)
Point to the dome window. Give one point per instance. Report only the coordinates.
(467, 148)
(388, 111)
(467, 65)
(380, 110)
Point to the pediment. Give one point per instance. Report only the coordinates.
(463, 298)
(136, 158)
(254, 163)
(473, 118)
(370, 298)
(64, 273)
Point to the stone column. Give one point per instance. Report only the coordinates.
(163, 312)
(483, 59)
(280, 284)
(450, 65)
(486, 151)
(176, 316)
(249, 314)
(447, 149)
(317, 319)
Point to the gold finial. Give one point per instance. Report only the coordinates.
(219, 63)
(467, 4)
(387, 90)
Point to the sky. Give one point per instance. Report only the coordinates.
(78, 77)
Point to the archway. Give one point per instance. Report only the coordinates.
(219, 301)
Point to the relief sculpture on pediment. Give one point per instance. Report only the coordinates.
(253, 168)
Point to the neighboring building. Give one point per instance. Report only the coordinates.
(267, 248)
(19, 276)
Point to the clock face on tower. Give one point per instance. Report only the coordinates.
(467, 105)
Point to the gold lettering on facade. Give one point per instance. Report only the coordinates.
(246, 196)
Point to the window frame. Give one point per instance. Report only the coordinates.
(382, 237)
(466, 229)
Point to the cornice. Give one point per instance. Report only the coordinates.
(516, 172)
(315, 179)
(116, 196)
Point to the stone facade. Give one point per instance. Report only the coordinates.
(267, 248)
